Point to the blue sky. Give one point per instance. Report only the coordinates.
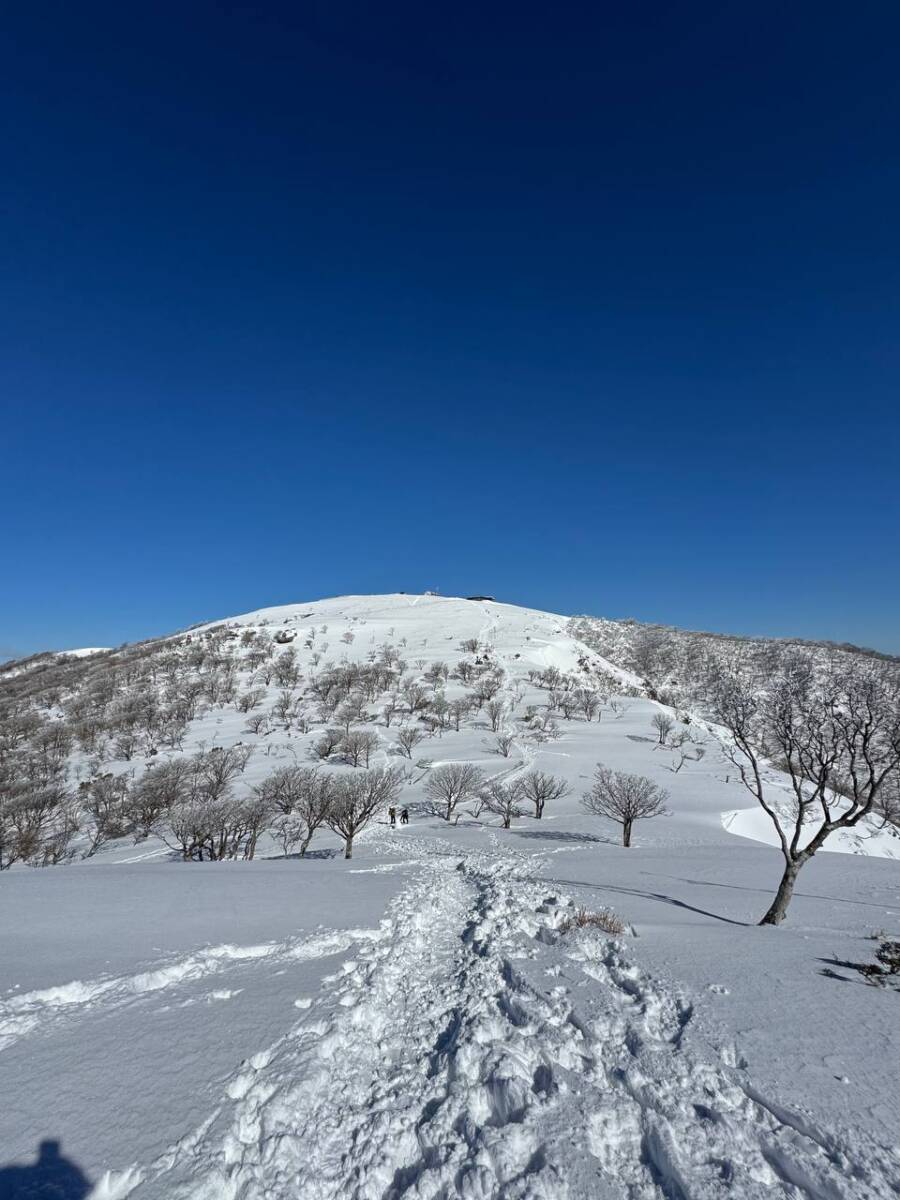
(594, 308)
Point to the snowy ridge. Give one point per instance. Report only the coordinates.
(468, 1052)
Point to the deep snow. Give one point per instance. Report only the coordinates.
(413, 1022)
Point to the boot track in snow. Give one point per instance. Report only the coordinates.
(472, 1050)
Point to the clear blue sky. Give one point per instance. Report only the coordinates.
(591, 307)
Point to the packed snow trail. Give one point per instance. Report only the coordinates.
(473, 1050)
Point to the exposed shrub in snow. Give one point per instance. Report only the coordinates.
(605, 920)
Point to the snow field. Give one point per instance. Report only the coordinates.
(414, 1024)
(469, 1049)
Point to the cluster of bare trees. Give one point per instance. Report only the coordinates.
(193, 805)
(82, 742)
(453, 784)
(680, 667)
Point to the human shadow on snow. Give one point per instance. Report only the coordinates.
(51, 1177)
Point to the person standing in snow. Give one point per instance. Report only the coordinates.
(404, 817)
(392, 816)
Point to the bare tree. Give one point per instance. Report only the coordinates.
(837, 738)
(624, 798)
(328, 743)
(106, 811)
(257, 723)
(540, 788)
(502, 799)
(357, 746)
(457, 712)
(302, 798)
(495, 710)
(360, 796)
(284, 707)
(452, 783)
(590, 703)
(505, 743)
(663, 724)
(250, 699)
(408, 739)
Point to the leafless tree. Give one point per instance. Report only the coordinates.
(257, 723)
(540, 788)
(624, 798)
(495, 710)
(250, 699)
(358, 798)
(301, 798)
(284, 707)
(836, 737)
(663, 724)
(408, 739)
(458, 712)
(105, 808)
(465, 669)
(502, 799)
(328, 742)
(486, 688)
(505, 743)
(451, 784)
(358, 745)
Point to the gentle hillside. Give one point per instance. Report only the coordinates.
(493, 996)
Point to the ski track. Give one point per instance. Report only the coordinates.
(472, 1050)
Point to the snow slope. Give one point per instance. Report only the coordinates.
(415, 1022)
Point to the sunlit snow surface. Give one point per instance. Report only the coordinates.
(415, 1022)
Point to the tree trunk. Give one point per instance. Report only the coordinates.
(779, 906)
(626, 834)
(348, 847)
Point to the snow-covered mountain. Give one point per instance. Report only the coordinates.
(429, 1018)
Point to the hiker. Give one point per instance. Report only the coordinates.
(404, 817)
(392, 816)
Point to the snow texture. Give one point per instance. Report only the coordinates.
(422, 1021)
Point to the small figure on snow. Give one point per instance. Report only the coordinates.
(392, 816)
(404, 817)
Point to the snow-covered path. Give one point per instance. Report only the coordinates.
(473, 1050)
